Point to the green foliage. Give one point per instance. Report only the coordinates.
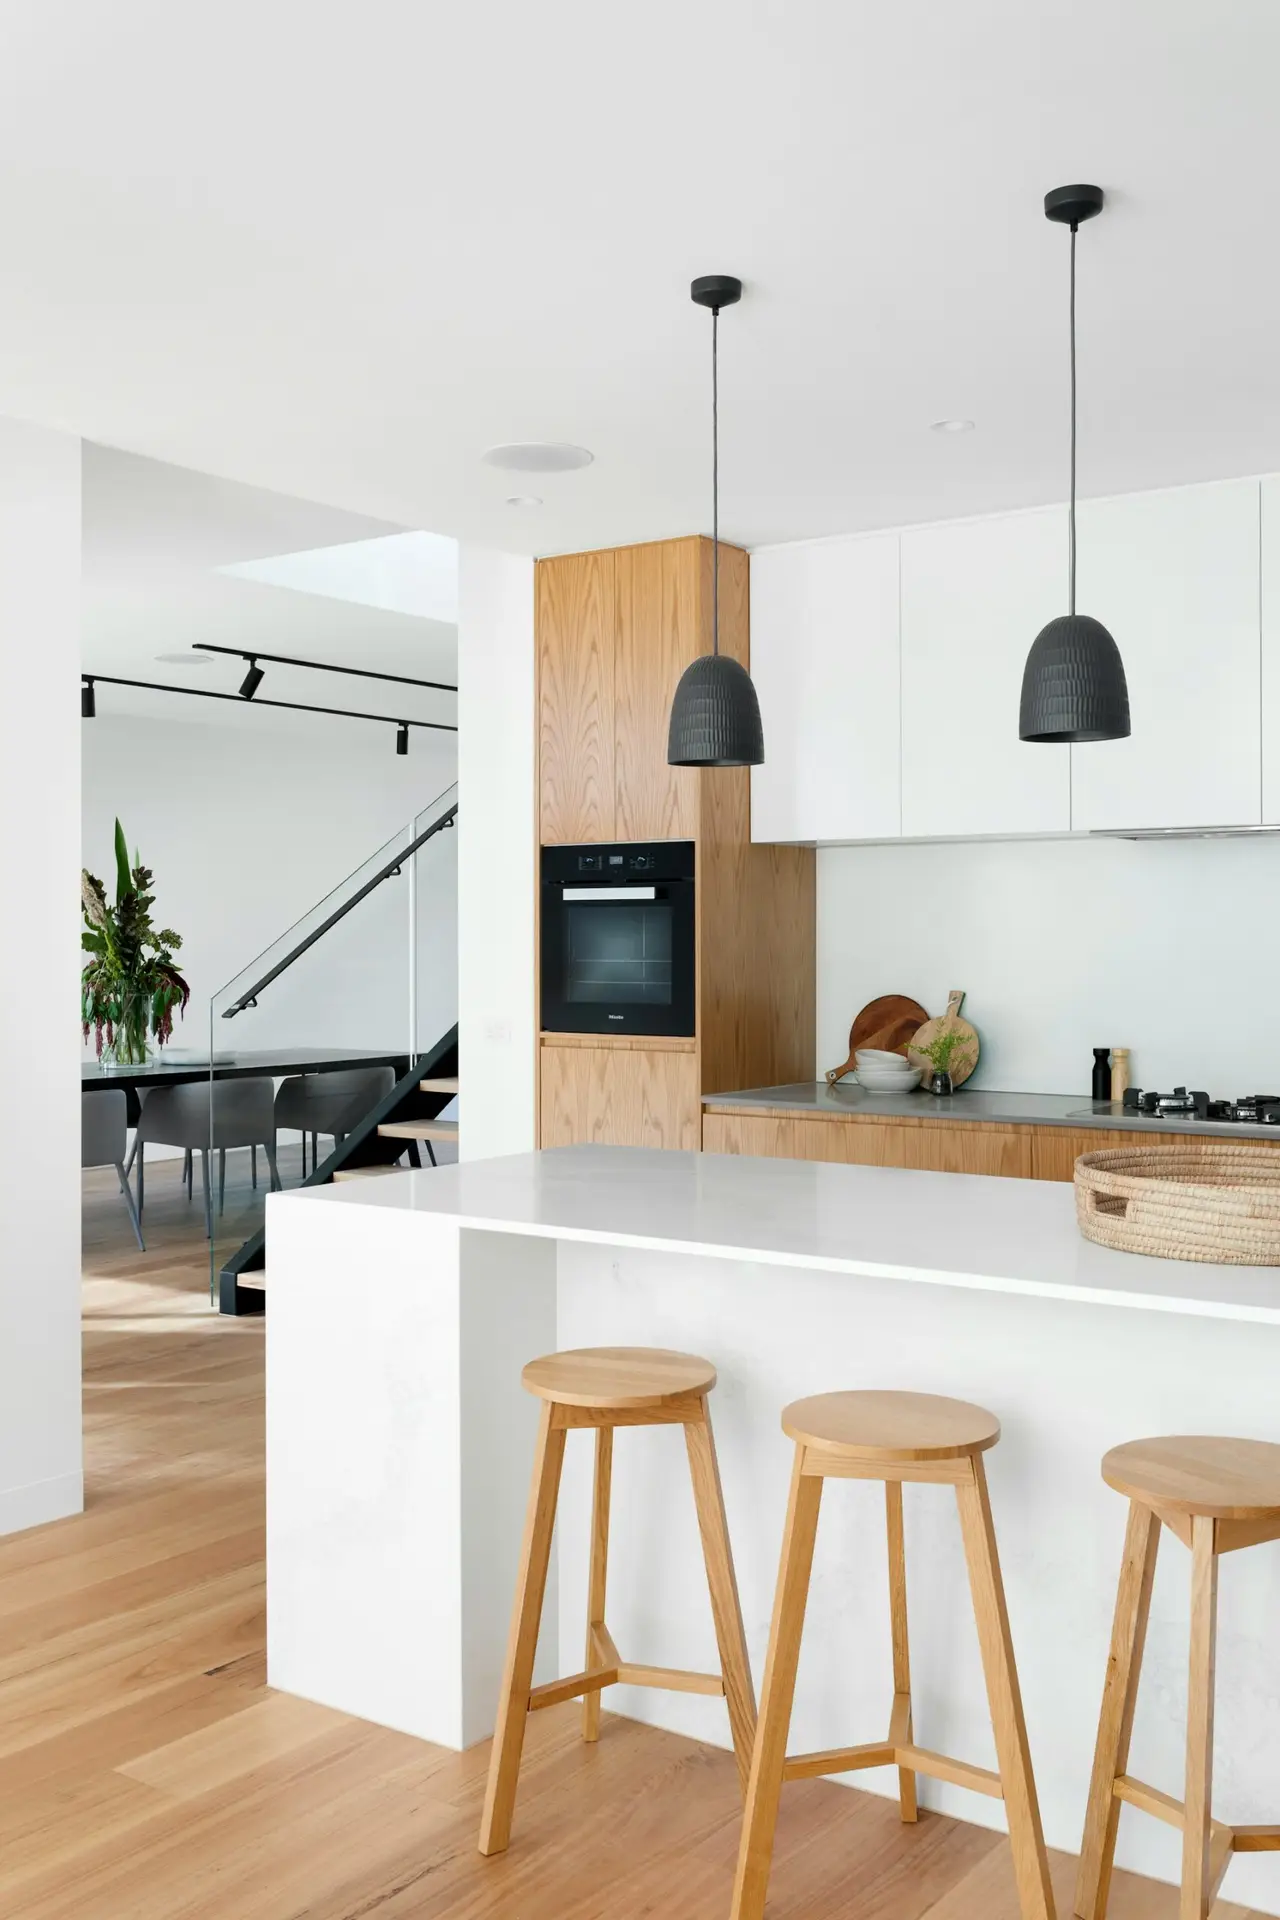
(130, 985)
(944, 1054)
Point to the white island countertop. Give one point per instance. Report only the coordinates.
(945, 1229)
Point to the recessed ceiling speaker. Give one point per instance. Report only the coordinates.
(538, 456)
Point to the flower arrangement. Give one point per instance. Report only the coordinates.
(130, 985)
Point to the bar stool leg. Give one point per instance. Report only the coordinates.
(726, 1608)
(1199, 1881)
(901, 1732)
(517, 1678)
(760, 1816)
(1030, 1862)
(599, 1574)
(1119, 1698)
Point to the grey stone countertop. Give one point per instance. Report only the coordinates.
(974, 1104)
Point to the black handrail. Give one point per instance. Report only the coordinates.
(250, 999)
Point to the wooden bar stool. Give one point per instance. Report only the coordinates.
(604, 1388)
(891, 1437)
(1216, 1495)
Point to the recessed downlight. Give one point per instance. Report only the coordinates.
(951, 426)
(191, 659)
(538, 456)
(524, 500)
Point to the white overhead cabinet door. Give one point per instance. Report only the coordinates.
(1271, 652)
(974, 597)
(824, 658)
(1174, 576)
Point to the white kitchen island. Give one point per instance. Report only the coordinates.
(399, 1444)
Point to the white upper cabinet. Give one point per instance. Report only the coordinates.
(1174, 577)
(974, 597)
(1271, 651)
(824, 658)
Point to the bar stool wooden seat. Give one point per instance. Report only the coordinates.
(894, 1437)
(604, 1388)
(1217, 1495)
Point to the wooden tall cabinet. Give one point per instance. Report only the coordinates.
(615, 630)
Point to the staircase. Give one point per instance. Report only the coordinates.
(406, 1120)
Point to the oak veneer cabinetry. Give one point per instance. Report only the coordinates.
(615, 631)
(930, 1146)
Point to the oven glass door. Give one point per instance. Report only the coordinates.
(618, 959)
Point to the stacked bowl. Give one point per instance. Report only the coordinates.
(881, 1072)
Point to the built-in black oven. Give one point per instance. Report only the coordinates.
(618, 939)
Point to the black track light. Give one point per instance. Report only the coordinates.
(402, 737)
(88, 701)
(252, 680)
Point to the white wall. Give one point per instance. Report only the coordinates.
(246, 830)
(40, 1455)
(497, 853)
(1063, 945)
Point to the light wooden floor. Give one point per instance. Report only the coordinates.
(147, 1773)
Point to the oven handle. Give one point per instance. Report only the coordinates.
(609, 893)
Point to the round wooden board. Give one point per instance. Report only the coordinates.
(964, 1063)
(887, 1023)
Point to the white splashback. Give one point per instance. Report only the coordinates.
(1169, 948)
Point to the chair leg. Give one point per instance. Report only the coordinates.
(128, 1200)
(268, 1147)
(1013, 1755)
(764, 1788)
(1115, 1722)
(517, 1678)
(431, 1153)
(142, 1161)
(726, 1608)
(1198, 1880)
(208, 1197)
(222, 1178)
(599, 1572)
(315, 1151)
(128, 1165)
(304, 1156)
(187, 1174)
(253, 1165)
(901, 1730)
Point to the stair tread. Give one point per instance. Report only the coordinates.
(256, 1282)
(438, 1086)
(419, 1130)
(363, 1173)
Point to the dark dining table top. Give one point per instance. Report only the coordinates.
(238, 1066)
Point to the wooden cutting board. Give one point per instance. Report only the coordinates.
(887, 1023)
(963, 1063)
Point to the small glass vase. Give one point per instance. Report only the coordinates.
(130, 1042)
(940, 1082)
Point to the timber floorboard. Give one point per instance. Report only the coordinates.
(147, 1772)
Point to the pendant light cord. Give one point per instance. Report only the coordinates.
(1071, 518)
(715, 481)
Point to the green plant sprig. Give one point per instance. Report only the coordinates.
(944, 1053)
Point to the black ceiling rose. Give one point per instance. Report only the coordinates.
(715, 715)
(1073, 685)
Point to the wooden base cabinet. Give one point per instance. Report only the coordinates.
(619, 1096)
(928, 1146)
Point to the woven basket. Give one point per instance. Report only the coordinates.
(1192, 1202)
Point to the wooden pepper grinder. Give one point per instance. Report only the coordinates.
(1119, 1072)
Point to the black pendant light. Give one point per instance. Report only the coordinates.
(1073, 685)
(715, 716)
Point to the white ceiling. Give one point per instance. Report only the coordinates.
(156, 541)
(339, 252)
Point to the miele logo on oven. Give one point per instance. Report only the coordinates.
(617, 1016)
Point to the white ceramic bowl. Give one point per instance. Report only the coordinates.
(876, 1055)
(889, 1082)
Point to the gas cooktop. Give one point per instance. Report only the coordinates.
(1251, 1109)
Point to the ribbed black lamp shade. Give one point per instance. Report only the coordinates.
(1073, 685)
(715, 716)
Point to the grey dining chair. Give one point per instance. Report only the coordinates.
(198, 1118)
(104, 1135)
(330, 1103)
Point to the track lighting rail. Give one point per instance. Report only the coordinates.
(321, 666)
(88, 704)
